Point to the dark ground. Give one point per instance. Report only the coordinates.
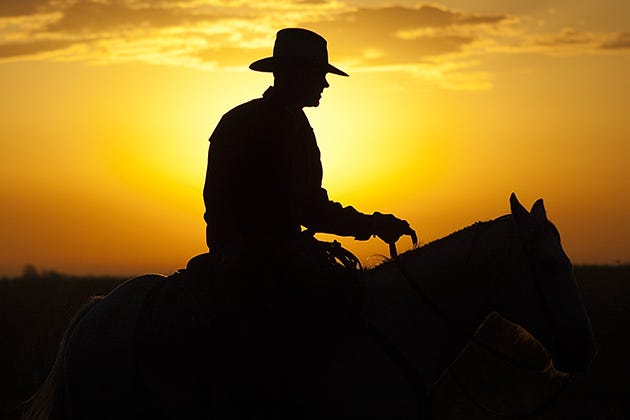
(35, 310)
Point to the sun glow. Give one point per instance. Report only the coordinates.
(367, 145)
(105, 128)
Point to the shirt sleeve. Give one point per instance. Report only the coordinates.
(321, 214)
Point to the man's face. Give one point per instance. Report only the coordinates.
(304, 85)
(313, 84)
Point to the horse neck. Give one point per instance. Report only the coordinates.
(439, 275)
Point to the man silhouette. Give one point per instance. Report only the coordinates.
(279, 302)
(263, 180)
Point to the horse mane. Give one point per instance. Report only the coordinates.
(466, 230)
(382, 259)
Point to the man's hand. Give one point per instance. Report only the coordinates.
(390, 228)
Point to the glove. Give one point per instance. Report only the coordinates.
(390, 228)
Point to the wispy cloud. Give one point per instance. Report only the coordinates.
(401, 35)
(19, 49)
(92, 17)
(620, 41)
(9, 8)
(433, 42)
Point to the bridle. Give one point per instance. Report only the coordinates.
(471, 337)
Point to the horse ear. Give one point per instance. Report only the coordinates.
(518, 211)
(522, 218)
(538, 210)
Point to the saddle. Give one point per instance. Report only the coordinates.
(301, 303)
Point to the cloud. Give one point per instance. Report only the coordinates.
(88, 16)
(620, 41)
(565, 42)
(311, 1)
(566, 37)
(398, 35)
(440, 45)
(11, 8)
(31, 48)
(392, 19)
(99, 28)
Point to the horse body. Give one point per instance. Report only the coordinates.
(420, 310)
(415, 328)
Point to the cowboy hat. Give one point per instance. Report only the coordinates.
(297, 45)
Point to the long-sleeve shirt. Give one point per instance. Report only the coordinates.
(264, 179)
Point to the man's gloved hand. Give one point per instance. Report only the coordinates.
(390, 228)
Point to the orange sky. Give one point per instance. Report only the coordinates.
(107, 106)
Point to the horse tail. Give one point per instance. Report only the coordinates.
(48, 403)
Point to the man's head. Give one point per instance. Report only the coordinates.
(299, 64)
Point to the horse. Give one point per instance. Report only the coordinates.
(420, 310)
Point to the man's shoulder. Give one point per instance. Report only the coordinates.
(254, 106)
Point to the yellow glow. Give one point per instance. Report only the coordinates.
(105, 139)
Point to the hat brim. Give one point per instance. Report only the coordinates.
(269, 65)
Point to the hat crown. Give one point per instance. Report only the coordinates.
(300, 43)
(297, 45)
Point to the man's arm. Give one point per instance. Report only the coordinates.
(321, 214)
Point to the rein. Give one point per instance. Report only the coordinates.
(469, 336)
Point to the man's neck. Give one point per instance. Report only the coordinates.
(284, 96)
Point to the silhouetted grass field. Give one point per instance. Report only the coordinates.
(34, 311)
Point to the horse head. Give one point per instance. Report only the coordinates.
(541, 293)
